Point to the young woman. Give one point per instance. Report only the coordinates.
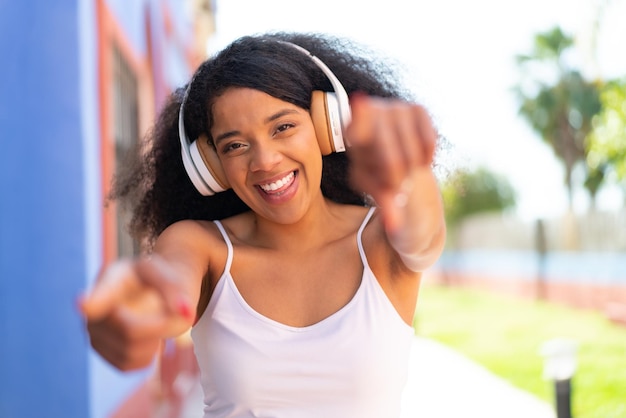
(304, 271)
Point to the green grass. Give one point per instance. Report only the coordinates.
(505, 334)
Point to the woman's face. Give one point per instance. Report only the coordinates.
(269, 153)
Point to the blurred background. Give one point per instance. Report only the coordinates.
(529, 96)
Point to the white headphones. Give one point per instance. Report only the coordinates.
(330, 112)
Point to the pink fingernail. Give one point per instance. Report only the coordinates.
(184, 309)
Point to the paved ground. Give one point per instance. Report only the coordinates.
(444, 384)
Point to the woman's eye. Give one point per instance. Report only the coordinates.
(283, 127)
(231, 147)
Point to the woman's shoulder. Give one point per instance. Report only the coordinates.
(348, 219)
(197, 242)
(238, 225)
(363, 216)
(190, 232)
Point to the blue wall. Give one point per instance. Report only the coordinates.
(51, 204)
(43, 360)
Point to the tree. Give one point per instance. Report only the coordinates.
(559, 103)
(606, 145)
(467, 193)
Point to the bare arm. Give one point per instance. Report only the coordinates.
(392, 148)
(136, 303)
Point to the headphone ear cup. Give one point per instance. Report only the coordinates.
(214, 175)
(319, 115)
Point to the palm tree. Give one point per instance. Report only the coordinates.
(559, 105)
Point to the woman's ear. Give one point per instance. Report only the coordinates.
(212, 162)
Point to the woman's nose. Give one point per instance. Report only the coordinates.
(265, 157)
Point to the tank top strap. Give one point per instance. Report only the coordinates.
(360, 233)
(229, 245)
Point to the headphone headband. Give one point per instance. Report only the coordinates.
(343, 101)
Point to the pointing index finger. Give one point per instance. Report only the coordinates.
(116, 283)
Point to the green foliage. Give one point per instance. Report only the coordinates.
(505, 334)
(468, 193)
(562, 114)
(548, 46)
(607, 141)
(558, 102)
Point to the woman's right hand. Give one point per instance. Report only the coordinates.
(134, 305)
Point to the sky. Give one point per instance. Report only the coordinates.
(460, 57)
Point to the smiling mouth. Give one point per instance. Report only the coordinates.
(278, 185)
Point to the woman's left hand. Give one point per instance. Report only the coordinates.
(391, 148)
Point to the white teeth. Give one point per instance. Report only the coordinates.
(278, 183)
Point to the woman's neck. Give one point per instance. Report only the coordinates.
(322, 223)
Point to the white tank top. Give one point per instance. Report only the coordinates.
(352, 364)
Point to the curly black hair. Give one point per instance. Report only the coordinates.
(154, 185)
